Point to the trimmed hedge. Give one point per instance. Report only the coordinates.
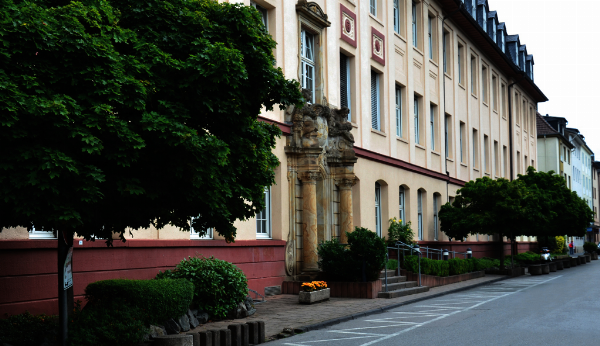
(28, 330)
(454, 266)
(158, 300)
(219, 286)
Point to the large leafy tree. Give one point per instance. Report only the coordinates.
(130, 113)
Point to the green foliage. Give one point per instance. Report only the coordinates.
(158, 300)
(400, 232)
(590, 247)
(561, 246)
(525, 259)
(28, 330)
(392, 264)
(219, 286)
(453, 266)
(106, 325)
(135, 113)
(547, 242)
(345, 264)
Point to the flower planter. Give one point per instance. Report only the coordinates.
(535, 269)
(313, 297)
(365, 290)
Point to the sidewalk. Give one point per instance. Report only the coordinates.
(284, 311)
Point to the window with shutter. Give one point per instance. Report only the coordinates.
(373, 7)
(432, 125)
(375, 121)
(430, 31)
(414, 24)
(401, 205)
(435, 217)
(345, 100)
(417, 135)
(420, 214)
(397, 16)
(378, 209)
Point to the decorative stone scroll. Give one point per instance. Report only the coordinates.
(314, 12)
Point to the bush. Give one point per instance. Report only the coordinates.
(159, 300)
(27, 329)
(392, 264)
(590, 247)
(453, 266)
(107, 324)
(341, 263)
(561, 247)
(399, 232)
(219, 286)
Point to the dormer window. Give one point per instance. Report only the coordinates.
(494, 37)
(473, 9)
(502, 45)
(484, 19)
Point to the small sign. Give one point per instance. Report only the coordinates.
(68, 271)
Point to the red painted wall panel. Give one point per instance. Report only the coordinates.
(28, 277)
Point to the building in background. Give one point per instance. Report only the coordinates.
(438, 94)
(595, 236)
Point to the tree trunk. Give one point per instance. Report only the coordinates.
(65, 296)
(501, 251)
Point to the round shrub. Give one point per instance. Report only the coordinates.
(219, 286)
(158, 300)
(336, 262)
(590, 247)
(368, 248)
(27, 329)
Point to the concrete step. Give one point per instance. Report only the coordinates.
(393, 279)
(403, 292)
(389, 273)
(399, 285)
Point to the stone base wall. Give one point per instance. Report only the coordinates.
(28, 270)
(366, 290)
(434, 281)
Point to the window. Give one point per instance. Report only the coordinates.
(475, 148)
(524, 112)
(432, 125)
(495, 93)
(195, 234)
(378, 209)
(345, 96)
(398, 111)
(502, 45)
(486, 153)
(473, 75)
(414, 25)
(397, 16)
(446, 49)
(263, 218)
(416, 118)
(420, 214)
(263, 13)
(505, 160)
(494, 33)
(40, 233)
(462, 147)
(461, 50)
(484, 19)
(484, 81)
(373, 7)
(307, 48)
(473, 8)
(496, 158)
(503, 96)
(401, 204)
(430, 30)
(435, 217)
(375, 107)
(518, 162)
(447, 133)
(525, 165)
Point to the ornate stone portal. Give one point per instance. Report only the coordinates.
(321, 158)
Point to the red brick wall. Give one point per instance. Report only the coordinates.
(28, 268)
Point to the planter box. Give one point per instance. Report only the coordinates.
(313, 297)
(559, 265)
(366, 290)
(594, 256)
(434, 281)
(535, 269)
(566, 263)
(588, 258)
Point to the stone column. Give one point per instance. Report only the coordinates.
(309, 221)
(346, 217)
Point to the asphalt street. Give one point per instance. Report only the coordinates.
(561, 308)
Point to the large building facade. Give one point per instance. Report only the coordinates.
(438, 94)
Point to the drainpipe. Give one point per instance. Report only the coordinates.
(444, 96)
(510, 125)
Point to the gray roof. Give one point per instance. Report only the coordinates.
(493, 14)
(502, 26)
(523, 47)
(530, 57)
(483, 2)
(512, 38)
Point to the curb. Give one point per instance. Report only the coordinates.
(331, 322)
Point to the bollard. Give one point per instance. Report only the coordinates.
(261, 332)
(469, 253)
(225, 337)
(236, 334)
(445, 254)
(206, 338)
(252, 332)
(245, 335)
(196, 338)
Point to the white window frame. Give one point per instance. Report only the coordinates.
(397, 16)
(398, 111)
(375, 102)
(446, 135)
(348, 90)
(265, 215)
(460, 76)
(402, 204)
(432, 125)
(373, 7)
(430, 24)
(416, 119)
(461, 129)
(445, 48)
(420, 214)
(35, 234)
(378, 209)
(414, 25)
(196, 236)
(435, 217)
(308, 63)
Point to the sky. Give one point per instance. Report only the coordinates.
(564, 39)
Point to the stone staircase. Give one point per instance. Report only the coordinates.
(398, 286)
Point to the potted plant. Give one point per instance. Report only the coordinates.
(313, 292)
(590, 248)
